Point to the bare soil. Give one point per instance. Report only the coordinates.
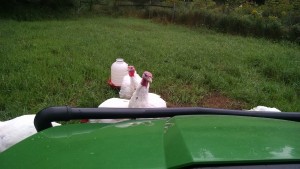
(217, 100)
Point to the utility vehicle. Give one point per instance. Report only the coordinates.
(191, 137)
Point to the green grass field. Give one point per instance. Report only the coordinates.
(67, 62)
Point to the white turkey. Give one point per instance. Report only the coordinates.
(264, 108)
(115, 103)
(141, 98)
(111, 103)
(16, 130)
(130, 83)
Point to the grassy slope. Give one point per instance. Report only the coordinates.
(47, 63)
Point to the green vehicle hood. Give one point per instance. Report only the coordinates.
(159, 143)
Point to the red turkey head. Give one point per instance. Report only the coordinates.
(131, 71)
(147, 76)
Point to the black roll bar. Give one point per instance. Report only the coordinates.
(44, 117)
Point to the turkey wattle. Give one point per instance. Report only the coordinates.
(141, 98)
(16, 130)
(130, 83)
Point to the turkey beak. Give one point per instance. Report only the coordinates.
(150, 79)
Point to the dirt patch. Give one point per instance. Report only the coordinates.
(217, 100)
(174, 105)
(211, 100)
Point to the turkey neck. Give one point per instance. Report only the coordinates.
(139, 98)
(144, 83)
(142, 91)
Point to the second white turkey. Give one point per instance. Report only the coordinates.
(130, 83)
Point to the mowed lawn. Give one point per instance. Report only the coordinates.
(67, 62)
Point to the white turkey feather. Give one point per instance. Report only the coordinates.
(15, 130)
(111, 103)
(264, 108)
(115, 103)
(128, 86)
(155, 101)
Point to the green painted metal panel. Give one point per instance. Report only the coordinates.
(230, 139)
(161, 143)
(91, 146)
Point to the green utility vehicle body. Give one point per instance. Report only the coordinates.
(169, 142)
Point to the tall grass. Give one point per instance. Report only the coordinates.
(49, 63)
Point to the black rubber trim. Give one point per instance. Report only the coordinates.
(44, 118)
